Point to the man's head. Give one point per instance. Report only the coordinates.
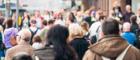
(128, 8)
(23, 35)
(126, 27)
(110, 27)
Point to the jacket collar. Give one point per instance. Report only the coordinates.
(109, 46)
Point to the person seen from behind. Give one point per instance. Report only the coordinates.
(111, 46)
(77, 40)
(58, 48)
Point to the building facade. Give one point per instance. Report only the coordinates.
(107, 5)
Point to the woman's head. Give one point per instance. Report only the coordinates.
(85, 26)
(58, 34)
(75, 31)
(9, 23)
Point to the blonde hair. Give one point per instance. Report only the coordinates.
(126, 27)
(75, 31)
(85, 26)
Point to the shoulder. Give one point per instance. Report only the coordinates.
(133, 53)
(41, 53)
(89, 55)
(134, 50)
(44, 50)
(10, 52)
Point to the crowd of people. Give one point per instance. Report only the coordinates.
(72, 35)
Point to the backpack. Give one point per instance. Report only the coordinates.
(32, 35)
(120, 57)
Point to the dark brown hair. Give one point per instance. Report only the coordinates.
(9, 23)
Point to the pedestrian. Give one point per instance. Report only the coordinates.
(2, 47)
(33, 28)
(77, 40)
(95, 28)
(129, 36)
(111, 46)
(57, 49)
(9, 34)
(25, 20)
(23, 38)
(134, 24)
(127, 14)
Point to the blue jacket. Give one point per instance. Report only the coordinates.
(130, 37)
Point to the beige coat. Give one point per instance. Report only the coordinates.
(111, 47)
(18, 48)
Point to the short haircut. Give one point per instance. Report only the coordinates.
(25, 34)
(133, 19)
(110, 27)
(22, 57)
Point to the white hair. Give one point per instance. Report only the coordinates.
(126, 27)
(25, 34)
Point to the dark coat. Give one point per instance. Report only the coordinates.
(48, 53)
(126, 16)
(80, 45)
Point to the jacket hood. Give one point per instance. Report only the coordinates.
(109, 46)
(10, 31)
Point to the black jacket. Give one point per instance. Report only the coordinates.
(80, 45)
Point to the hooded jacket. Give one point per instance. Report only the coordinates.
(7, 34)
(111, 47)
